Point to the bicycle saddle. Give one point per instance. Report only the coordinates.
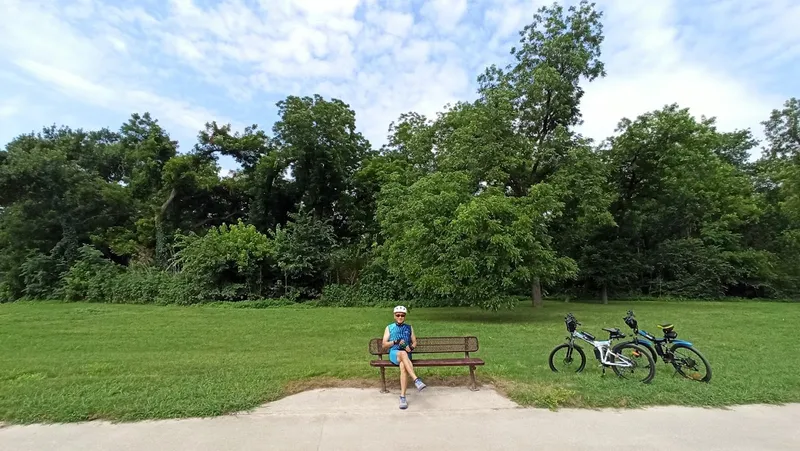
(614, 333)
(666, 326)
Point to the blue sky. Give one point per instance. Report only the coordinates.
(91, 63)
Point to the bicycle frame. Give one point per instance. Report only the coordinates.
(602, 349)
(657, 345)
(651, 339)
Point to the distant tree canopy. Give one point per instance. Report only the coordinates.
(493, 199)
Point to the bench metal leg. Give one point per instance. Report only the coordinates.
(474, 386)
(383, 380)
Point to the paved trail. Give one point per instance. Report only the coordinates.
(441, 418)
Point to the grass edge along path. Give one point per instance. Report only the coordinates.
(66, 362)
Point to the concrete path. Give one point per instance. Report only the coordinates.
(440, 418)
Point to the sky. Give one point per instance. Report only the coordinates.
(92, 63)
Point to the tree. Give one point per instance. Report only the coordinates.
(55, 195)
(681, 207)
(320, 147)
(303, 248)
(556, 52)
(776, 176)
(457, 243)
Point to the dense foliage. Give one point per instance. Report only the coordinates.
(493, 199)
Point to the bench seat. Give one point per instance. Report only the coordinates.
(432, 362)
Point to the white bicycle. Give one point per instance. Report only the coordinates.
(627, 358)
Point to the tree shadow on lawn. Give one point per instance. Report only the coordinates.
(519, 315)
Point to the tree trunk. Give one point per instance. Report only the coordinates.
(536, 293)
(161, 253)
(604, 294)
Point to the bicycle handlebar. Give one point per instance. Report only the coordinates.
(571, 322)
(630, 320)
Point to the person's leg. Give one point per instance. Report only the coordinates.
(394, 358)
(402, 356)
(405, 362)
(403, 380)
(403, 385)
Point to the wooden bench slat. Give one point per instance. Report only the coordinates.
(433, 362)
(428, 345)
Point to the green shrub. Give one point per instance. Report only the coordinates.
(257, 304)
(6, 292)
(152, 286)
(90, 278)
(230, 262)
(40, 276)
(374, 294)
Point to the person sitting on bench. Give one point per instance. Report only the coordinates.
(399, 337)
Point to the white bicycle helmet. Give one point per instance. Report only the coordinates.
(400, 309)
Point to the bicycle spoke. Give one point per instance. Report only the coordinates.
(642, 365)
(564, 362)
(688, 364)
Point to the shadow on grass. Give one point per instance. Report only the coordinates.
(520, 315)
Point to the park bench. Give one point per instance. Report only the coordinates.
(431, 345)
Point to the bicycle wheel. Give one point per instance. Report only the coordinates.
(689, 363)
(561, 354)
(647, 346)
(641, 359)
(651, 349)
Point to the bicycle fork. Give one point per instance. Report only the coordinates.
(570, 348)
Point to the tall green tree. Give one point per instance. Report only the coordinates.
(56, 193)
(322, 150)
(458, 243)
(776, 178)
(557, 51)
(680, 210)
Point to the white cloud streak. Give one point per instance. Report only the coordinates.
(189, 62)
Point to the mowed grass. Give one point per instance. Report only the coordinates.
(72, 362)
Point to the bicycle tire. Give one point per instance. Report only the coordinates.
(650, 348)
(702, 358)
(644, 352)
(643, 344)
(574, 348)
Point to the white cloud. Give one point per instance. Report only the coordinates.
(10, 107)
(662, 58)
(446, 13)
(89, 64)
(189, 62)
(507, 17)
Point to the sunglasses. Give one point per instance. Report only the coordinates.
(399, 315)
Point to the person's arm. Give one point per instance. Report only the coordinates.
(413, 339)
(386, 343)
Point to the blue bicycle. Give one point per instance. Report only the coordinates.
(687, 361)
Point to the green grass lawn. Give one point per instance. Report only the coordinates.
(71, 362)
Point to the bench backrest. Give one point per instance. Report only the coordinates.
(429, 345)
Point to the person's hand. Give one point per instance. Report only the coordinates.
(402, 344)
